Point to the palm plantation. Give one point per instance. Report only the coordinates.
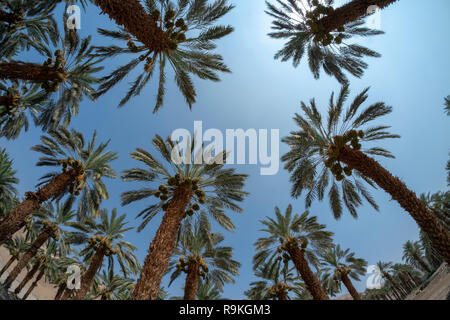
(8, 180)
(201, 257)
(297, 238)
(327, 152)
(180, 190)
(83, 168)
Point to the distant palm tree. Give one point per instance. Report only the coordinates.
(17, 105)
(8, 180)
(200, 255)
(189, 30)
(299, 238)
(53, 223)
(413, 254)
(319, 148)
(83, 170)
(111, 285)
(296, 20)
(26, 24)
(343, 265)
(407, 275)
(349, 12)
(16, 247)
(385, 269)
(180, 190)
(106, 243)
(277, 284)
(207, 291)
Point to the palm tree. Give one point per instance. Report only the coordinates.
(351, 11)
(52, 223)
(25, 24)
(278, 282)
(413, 255)
(199, 254)
(318, 149)
(183, 189)
(298, 238)
(8, 179)
(111, 285)
(208, 291)
(17, 105)
(34, 263)
(385, 269)
(296, 20)
(447, 105)
(16, 247)
(106, 242)
(189, 32)
(342, 265)
(83, 170)
(407, 275)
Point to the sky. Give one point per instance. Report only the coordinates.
(262, 93)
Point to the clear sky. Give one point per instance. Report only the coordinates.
(412, 75)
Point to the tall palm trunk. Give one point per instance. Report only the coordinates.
(27, 278)
(7, 265)
(350, 12)
(131, 15)
(396, 289)
(191, 285)
(406, 281)
(27, 71)
(14, 221)
(33, 285)
(312, 283)
(28, 255)
(60, 291)
(162, 246)
(349, 285)
(88, 277)
(407, 199)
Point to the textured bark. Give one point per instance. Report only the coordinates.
(312, 283)
(27, 256)
(14, 220)
(88, 277)
(7, 265)
(406, 198)
(66, 294)
(33, 285)
(281, 295)
(397, 291)
(162, 247)
(406, 281)
(27, 71)
(191, 285)
(8, 17)
(27, 278)
(60, 291)
(131, 15)
(350, 12)
(351, 289)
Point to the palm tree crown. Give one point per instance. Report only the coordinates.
(7, 181)
(68, 149)
(190, 28)
(311, 149)
(297, 21)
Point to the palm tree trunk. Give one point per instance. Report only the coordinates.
(281, 295)
(66, 294)
(40, 240)
(396, 289)
(27, 71)
(14, 220)
(422, 263)
(33, 285)
(162, 247)
(28, 277)
(407, 199)
(312, 283)
(60, 291)
(7, 265)
(88, 277)
(131, 15)
(350, 12)
(8, 17)
(349, 285)
(191, 285)
(406, 282)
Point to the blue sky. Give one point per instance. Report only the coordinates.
(412, 75)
